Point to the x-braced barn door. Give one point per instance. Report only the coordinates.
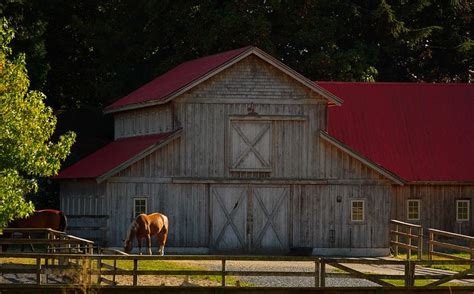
(250, 218)
(229, 218)
(270, 219)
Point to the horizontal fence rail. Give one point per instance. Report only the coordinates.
(56, 241)
(91, 269)
(454, 244)
(407, 236)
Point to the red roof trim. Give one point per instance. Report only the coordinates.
(176, 79)
(118, 154)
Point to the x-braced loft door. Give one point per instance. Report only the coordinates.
(250, 218)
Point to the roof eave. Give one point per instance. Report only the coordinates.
(341, 146)
(139, 156)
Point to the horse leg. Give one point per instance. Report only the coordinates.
(162, 236)
(139, 241)
(148, 244)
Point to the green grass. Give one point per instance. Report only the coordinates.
(449, 267)
(142, 265)
(420, 283)
(171, 266)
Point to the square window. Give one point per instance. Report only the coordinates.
(139, 206)
(413, 209)
(462, 210)
(357, 210)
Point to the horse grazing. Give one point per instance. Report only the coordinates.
(144, 227)
(46, 218)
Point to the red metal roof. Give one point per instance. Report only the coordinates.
(175, 79)
(420, 132)
(111, 156)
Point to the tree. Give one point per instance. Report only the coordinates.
(26, 126)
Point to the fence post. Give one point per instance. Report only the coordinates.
(316, 273)
(115, 271)
(223, 273)
(322, 273)
(99, 270)
(472, 252)
(409, 243)
(430, 246)
(135, 267)
(38, 271)
(409, 273)
(396, 240)
(420, 243)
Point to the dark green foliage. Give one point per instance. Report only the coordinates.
(99, 51)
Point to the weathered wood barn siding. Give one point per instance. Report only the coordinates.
(86, 206)
(142, 122)
(438, 205)
(185, 205)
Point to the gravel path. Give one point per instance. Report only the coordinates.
(279, 266)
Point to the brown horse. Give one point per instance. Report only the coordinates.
(144, 227)
(46, 218)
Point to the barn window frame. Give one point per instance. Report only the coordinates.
(135, 199)
(411, 214)
(467, 216)
(354, 213)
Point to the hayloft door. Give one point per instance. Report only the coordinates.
(229, 218)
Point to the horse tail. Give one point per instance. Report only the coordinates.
(165, 223)
(62, 222)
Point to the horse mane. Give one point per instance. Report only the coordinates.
(131, 230)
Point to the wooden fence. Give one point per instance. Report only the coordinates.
(90, 269)
(55, 241)
(407, 236)
(435, 243)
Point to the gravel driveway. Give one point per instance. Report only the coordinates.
(279, 266)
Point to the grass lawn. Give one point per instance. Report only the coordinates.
(142, 265)
(420, 283)
(449, 267)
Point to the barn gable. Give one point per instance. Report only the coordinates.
(189, 74)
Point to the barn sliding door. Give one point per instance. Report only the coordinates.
(270, 219)
(229, 218)
(250, 218)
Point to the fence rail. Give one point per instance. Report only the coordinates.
(94, 267)
(403, 234)
(56, 241)
(435, 244)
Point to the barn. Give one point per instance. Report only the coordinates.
(245, 155)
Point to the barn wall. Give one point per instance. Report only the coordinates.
(82, 197)
(185, 205)
(438, 206)
(142, 122)
(321, 221)
(164, 162)
(85, 206)
(295, 114)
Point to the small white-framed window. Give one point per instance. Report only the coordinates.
(139, 206)
(357, 210)
(462, 210)
(413, 209)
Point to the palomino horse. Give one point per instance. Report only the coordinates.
(46, 218)
(144, 227)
